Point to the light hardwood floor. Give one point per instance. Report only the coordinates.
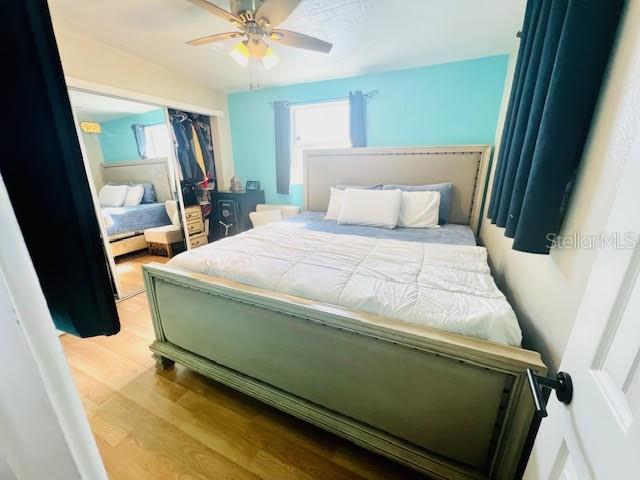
(129, 270)
(180, 425)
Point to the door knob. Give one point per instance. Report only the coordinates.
(562, 384)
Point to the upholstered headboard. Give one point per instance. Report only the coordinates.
(463, 165)
(154, 170)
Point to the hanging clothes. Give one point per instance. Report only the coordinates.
(194, 147)
(202, 130)
(197, 151)
(183, 134)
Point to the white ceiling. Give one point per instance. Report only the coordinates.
(367, 35)
(100, 108)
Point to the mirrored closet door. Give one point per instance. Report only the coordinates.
(129, 157)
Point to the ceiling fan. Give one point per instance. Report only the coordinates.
(255, 20)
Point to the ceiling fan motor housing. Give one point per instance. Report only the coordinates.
(239, 7)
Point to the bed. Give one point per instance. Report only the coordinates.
(450, 403)
(125, 225)
(134, 220)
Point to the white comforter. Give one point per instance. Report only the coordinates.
(443, 286)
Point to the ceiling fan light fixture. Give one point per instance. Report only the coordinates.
(270, 59)
(240, 54)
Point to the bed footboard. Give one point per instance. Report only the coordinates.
(447, 405)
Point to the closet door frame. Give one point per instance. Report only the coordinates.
(165, 104)
(96, 208)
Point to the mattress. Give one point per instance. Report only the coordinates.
(124, 220)
(449, 233)
(439, 285)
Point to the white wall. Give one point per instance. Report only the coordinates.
(94, 155)
(6, 473)
(545, 290)
(85, 59)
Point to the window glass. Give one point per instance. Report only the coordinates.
(317, 125)
(158, 143)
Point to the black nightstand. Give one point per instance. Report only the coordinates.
(231, 211)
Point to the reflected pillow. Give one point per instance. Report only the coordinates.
(149, 195)
(446, 196)
(134, 196)
(112, 195)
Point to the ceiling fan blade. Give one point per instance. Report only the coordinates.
(299, 40)
(219, 12)
(276, 11)
(218, 37)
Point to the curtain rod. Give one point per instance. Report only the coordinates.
(370, 95)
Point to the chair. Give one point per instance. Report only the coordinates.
(265, 213)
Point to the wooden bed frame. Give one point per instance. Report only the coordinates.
(450, 406)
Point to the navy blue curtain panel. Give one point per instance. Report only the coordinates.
(564, 51)
(141, 141)
(357, 119)
(282, 120)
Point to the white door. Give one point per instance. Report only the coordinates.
(44, 433)
(597, 436)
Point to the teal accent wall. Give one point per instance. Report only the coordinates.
(451, 103)
(116, 139)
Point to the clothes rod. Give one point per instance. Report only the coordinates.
(371, 94)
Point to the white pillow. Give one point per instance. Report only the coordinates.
(335, 204)
(112, 195)
(419, 209)
(377, 208)
(134, 196)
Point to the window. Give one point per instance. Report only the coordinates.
(317, 125)
(157, 142)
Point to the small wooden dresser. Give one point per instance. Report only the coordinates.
(195, 226)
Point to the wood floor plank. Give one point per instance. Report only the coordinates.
(90, 388)
(311, 463)
(107, 430)
(371, 466)
(101, 363)
(177, 424)
(152, 436)
(129, 270)
(222, 430)
(215, 391)
(127, 345)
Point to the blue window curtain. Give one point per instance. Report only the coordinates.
(563, 55)
(357, 119)
(141, 143)
(282, 120)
